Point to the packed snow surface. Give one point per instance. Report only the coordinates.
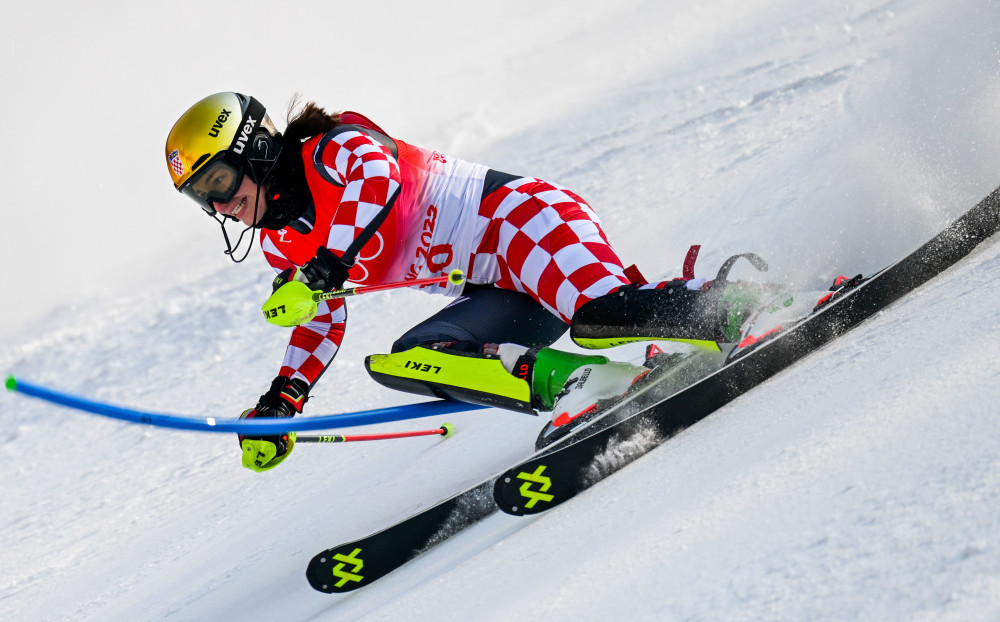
(861, 484)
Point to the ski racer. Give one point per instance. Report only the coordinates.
(335, 198)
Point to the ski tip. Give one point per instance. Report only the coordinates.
(11, 383)
(448, 428)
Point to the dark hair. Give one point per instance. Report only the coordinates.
(308, 122)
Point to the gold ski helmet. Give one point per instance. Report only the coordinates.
(215, 143)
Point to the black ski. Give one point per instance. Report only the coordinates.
(545, 481)
(356, 564)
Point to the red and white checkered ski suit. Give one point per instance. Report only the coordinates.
(528, 235)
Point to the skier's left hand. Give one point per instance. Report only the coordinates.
(325, 272)
(285, 398)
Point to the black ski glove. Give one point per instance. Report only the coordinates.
(285, 398)
(324, 272)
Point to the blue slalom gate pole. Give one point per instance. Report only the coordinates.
(241, 426)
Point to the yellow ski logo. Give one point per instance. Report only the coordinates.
(338, 570)
(543, 482)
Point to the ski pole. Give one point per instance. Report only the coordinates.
(294, 303)
(455, 277)
(445, 430)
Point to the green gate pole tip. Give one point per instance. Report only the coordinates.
(11, 383)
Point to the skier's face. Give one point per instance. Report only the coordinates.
(241, 206)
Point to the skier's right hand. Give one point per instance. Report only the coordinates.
(284, 399)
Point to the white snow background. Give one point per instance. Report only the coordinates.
(831, 138)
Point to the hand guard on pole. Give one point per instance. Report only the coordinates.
(285, 398)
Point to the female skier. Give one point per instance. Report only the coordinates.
(337, 199)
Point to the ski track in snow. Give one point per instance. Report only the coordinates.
(861, 484)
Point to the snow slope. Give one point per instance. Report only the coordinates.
(863, 483)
